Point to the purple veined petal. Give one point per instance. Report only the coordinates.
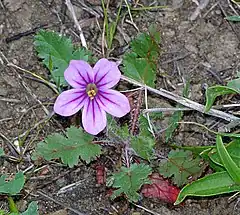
(106, 73)
(94, 118)
(70, 102)
(113, 102)
(78, 74)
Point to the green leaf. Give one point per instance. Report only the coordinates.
(81, 54)
(233, 18)
(181, 166)
(173, 124)
(144, 127)
(55, 50)
(139, 69)
(233, 149)
(145, 47)
(176, 117)
(234, 84)
(231, 167)
(213, 92)
(68, 149)
(210, 185)
(129, 180)
(32, 209)
(12, 187)
(140, 63)
(1, 152)
(120, 131)
(143, 146)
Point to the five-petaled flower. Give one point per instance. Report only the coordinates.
(92, 92)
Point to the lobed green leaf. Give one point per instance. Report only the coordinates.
(143, 146)
(77, 144)
(56, 52)
(140, 63)
(181, 166)
(129, 180)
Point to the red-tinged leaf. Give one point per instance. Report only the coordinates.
(100, 174)
(160, 188)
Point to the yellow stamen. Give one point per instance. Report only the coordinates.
(91, 94)
(91, 90)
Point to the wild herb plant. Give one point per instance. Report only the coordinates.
(148, 173)
(182, 166)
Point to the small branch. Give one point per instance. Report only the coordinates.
(71, 9)
(147, 114)
(59, 203)
(145, 209)
(184, 101)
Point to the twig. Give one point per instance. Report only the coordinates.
(10, 100)
(184, 101)
(208, 129)
(36, 125)
(176, 58)
(26, 33)
(6, 119)
(147, 114)
(60, 203)
(145, 209)
(130, 15)
(70, 187)
(51, 85)
(71, 9)
(157, 110)
(10, 145)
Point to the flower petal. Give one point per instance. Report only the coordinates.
(78, 74)
(70, 102)
(113, 102)
(106, 73)
(93, 117)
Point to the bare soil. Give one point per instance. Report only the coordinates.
(203, 51)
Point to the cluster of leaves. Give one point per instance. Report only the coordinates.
(181, 166)
(142, 144)
(69, 147)
(56, 52)
(226, 179)
(11, 188)
(140, 63)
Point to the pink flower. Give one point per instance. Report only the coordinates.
(92, 92)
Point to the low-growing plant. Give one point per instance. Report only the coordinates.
(143, 171)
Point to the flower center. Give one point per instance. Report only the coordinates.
(91, 90)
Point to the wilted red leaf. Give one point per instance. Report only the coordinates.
(160, 188)
(100, 174)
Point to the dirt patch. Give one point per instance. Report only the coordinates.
(204, 51)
